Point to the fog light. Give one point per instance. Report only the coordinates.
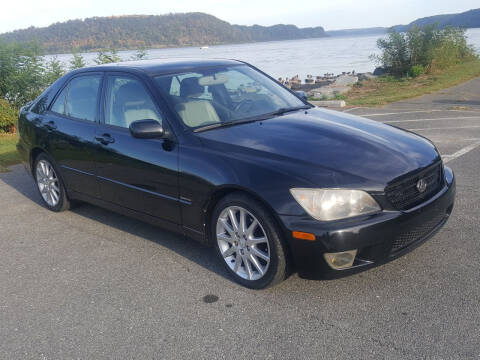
(340, 260)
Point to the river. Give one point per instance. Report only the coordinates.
(286, 58)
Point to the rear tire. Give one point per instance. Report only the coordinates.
(248, 241)
(49, 184)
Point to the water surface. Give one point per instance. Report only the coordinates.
(287, 58)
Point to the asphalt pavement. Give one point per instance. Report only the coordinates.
(92, 284)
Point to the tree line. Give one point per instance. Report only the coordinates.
(152, 31)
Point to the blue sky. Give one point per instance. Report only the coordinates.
(331, 14)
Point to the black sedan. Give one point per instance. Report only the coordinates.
(220, 152)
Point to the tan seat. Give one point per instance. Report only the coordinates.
(130, 103)
(197, 112)
(194, 111)
(132, 115)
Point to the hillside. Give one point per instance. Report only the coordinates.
(467, 19)
(152, 31)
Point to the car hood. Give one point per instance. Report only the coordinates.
(327, 148)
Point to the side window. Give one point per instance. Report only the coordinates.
(59, 104)
(127, 100)
(82, 97)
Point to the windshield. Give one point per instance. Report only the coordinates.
(224, 95)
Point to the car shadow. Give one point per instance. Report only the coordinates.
(197, 253)
(182, 245)
(19, 180)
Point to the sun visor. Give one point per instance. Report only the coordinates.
(216, 79)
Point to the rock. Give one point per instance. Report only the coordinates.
(329, 103)
(322, 92)
(345, 80)
(366, 76)
(379, 71)
(328, 92)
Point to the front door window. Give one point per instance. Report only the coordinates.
(127, 101)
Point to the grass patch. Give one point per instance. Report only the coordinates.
(387, 89)
(8, 151)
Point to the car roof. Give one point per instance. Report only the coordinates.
(164, 66)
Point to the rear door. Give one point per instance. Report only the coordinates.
(139, 174)
(71, 123)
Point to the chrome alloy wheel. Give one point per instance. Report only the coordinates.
(47, 183)
(243, 243)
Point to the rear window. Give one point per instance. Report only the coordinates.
(59, 104)
(40, 105)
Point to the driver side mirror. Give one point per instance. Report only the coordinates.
(146, 129)
(302, 95)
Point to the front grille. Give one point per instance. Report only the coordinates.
(403, 193)
(408, 237)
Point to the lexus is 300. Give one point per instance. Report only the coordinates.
(222, 153)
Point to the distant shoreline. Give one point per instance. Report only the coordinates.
(199, 46)
(162, 47)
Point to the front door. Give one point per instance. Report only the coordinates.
(139, 174)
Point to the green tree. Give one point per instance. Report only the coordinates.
(428, 48)
(107, 57)
(21, 73)
(140, 54)
(77, 61)
(53, 71)
(395, 57)
(8, 117)
(452, 49)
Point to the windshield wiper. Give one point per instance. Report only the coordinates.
(266, 116)
(285, 110)
(235, 122)
(227, 123)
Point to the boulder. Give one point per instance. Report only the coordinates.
(329, 103)
(322, 92)
(345, 80)
(379, 71)
(366, 76)
(328, 92)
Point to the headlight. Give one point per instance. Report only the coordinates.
(333, 204)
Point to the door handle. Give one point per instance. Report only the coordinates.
(50, 125)
(105, 139)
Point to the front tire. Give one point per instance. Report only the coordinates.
(50, 185)
(248, 241)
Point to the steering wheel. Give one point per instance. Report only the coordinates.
(244, 106)
(224, 112)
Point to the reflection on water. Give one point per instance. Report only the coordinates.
(287, 58)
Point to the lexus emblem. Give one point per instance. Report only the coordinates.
(421, 185)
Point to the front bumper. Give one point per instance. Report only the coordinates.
(379, 238)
